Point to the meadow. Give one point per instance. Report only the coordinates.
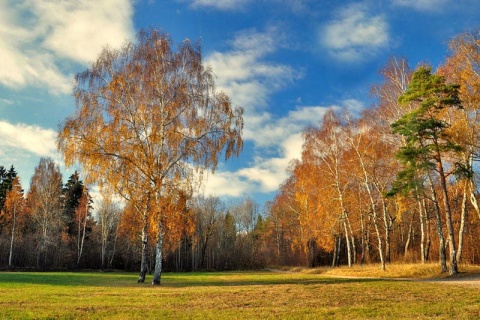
(289, 294)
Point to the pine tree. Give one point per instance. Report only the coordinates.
(428, 142)
(72, 191)
(6, 182)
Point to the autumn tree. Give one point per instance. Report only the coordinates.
(83, 222)
(246, 213)
(13, 212)
(147, 117)
(396, 77)
(109, 215)
(325, 148)
(285, 218)
(45, 202)
(209, 211)
(368, 157)
(463, 67)
(427, 140)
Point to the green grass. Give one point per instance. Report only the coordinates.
(229, 295)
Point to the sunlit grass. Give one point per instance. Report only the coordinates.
(227, 295)
(396, 270)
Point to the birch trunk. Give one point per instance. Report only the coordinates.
(409, 237)
(364, 239)
(428, 232)
(352, 236)
(473, 199)
(110, 262)
(10, 256)
(463, 219)
(388, 226)
(347, 240)
(158, 256)
(143, 264)
(82, 240)
(422, 227)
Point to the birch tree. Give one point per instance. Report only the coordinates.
(13, 212)
(83, 222)
(147, 116)
(45, 200)
(326, 147)
(463, 67)
(109, 214)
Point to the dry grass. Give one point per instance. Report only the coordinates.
(229, 295)
(397, 270)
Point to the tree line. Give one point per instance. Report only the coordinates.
(395, 183)
(398, 182)
(54, 227)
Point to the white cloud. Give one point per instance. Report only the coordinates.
(282, 135)
(422, 5)
(6, 102)
(268, 173)
(354, 34)
(295, 6)
(39, 38)
(78, 30)
(27, 139)
(268, 132)
(220, 4)
(225, 183)
(245, 74)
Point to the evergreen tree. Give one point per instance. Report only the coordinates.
(72, 192)
(428, 143)
(6, 182)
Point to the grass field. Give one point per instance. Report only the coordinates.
(230, 295)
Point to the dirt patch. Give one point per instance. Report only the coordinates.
(462, 280)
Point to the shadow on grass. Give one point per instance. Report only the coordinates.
(65, 279)
(169, 280)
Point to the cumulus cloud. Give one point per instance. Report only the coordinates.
(247, 76)
(244, 72)
(226, 183)
(354, 34)
(31, 139)
(38, 38)
(283, 135)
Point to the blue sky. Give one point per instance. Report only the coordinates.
(284, 61)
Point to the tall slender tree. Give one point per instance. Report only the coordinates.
(109, 215)
(73, 192)
(45, 200)
(463, 67)
(13, 212)
(427, 139)
(147, 116)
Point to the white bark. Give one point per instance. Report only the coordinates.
(158, 256)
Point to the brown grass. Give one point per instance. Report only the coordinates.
(397, 270)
